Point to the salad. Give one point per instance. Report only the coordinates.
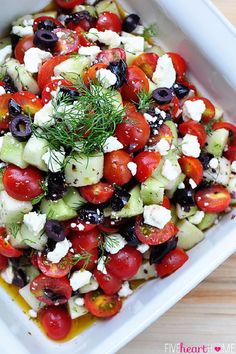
(112, 163)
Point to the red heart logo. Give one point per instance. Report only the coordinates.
(217, 349)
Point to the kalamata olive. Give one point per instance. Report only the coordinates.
(62, 18)
(90, 214)
(163, 95)
(205, 158)
(20, 278)
(9, 85)
(74, 19)
(45, 40)
(130, 23)
(47, 25)
(119, 68)
(56, 186)
(181, 90)
(184, 197)
(157, 253)
(14, 108)
(119, 199)
(53, 296)
(128, 232)
(20, 127)
(14, 40)
(55, 230)
(71, 94)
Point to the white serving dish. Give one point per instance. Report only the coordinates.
(207, 40)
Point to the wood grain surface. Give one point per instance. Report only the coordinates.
(207, 315)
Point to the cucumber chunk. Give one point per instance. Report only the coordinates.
(75, 310)
(37, 242)
(182, 214)
(157, 50)
(12, 151)
(146, 271)
(12, 210)
(207, 221)
(16, 239)
(57, 210)
(4, 42)
(221, 174)
(31, 272)
(89, 8)
(73, 199)
(107, 6)
(217, 141)
(151, 192)
(31, 300)
(173, 129)
(35, 148)
(72, 68)
(133, 207)
(189, 235)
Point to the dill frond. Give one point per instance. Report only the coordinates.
(150, 32)
(145, 100)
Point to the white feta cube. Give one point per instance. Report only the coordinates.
(35, 222)
(7, 274)
(193, 110)
(125, 290)
(191, 146)
(44, 117)
(197, 218)
(23, 31)
(164, 74)
(112, 144)
(92, 51)
(114, 243)
(54, 159)
(5, 53)
(34, 58)
(61, 249)
(156, 215)
(162, 147)
(101, 265)
(133, 44)
(80, 278)
(170, 171)
(143, 248)
(132, 166)
(106, 77)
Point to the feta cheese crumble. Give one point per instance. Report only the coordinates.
(5, 53)
(106, 77)
(192, 183)
(80, 278)
(43, 118)
(156, 215)
(35, 222)
(114, 243)
(181, 185)
(233, 166)
(79, 301)
(143, 248)
(54, 159)
(7, 274)
(214, 163)
(23, 31)
(191, 146)
(165, 74)
(193, 110)
(92, 51)
(112, 144)
(33, 59)
(59, 251)
(107, 37)
(197, 218)
(101, 266)
(125, 290)
(2, 91)
(133, 44)
(170, 171)
(32, 313)
(162, 146)
(132, 166)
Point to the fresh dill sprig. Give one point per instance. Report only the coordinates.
(14, 228)
(145, 100)
(44, 186)
(81, 257)
(208, 127)
(150, 32)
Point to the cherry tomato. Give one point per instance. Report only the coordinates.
(129, 107)
(194, 128)
(90, 75)
(108, 282)
(166, 203)
(147, 62)
(86, 249)
(164, 132)
(110, 55)
(124, 264)
(29, 102)
(69, 4)
(4, 115)
(55, 270)
(115, 167)
(171, 262)
(22, 184)
(6, 249)
(230, 154)
(179, 64)
(111, 226)
(83, 41)
(188, 84)
(151, 235)
(97, 193)
(89, 261)
(79, 225)
(136, 81)
(209, 112)
(192, 168)
(52, 86)
(228, 126)
(102, 305)
(51, 291)
(40, 19)
(84, 24)
(67, 43)
(34, 259)
(55, 321)
(133, 132)
(173, 108)
(3, 262)
(47, 70)
(86, 240)
(109, 21)
(22, 46)
(147, 162)
(214, 199)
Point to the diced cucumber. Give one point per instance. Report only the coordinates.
(4, 42)
(31, 300)
(207, 221)
(57, 210)
(31, 272)
(174, 217)
(75, 310)
(73, 199)
(16, 239)
(189, 235)
(146, 271)
(89, 8)
(91, 286)
(107, 6)
(152, 86)
(130, 58)
(35, 148)
(84, 170)
(217, 141)
(162, 181)
(182, 214)
(73, 68)
(37, 242)
(173, 129)
(151, 192)
(12, 210)
(133, 207)
(156, 49)
(173, 186)
(232, 189)
(221, 174)
(12, 151)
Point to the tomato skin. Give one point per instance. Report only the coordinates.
(47, 70)
(115, 167)
(133, 132)
(86, 240)
(147, 62)
(69, 4)
(179, 64)
(230, 154)
(90, 75)
(124, 264)
(194, 128)
(40, 19)
(151, 235)
(192, 168)
(4, 115)
(22, 184)
(136, 81)
(68, 43)
(54, 270)
(166, 203)
(91, 259)
(3, 262)
(110, 55)
(52, 86)
(147, 162)
(109, 21)
(209, 111)
(171, 262)
(83, 41)
(108, 282)
(6, 249)
(22, 46)
(228, 126)
(97, 193)
(129, 107)
(214, 199)
(164, 132)
(111, 226)
(102, 305)
(55, 321)
(28, 101)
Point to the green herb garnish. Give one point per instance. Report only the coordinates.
(145, 100)
(44, 186)
(150, 32)
(14, 228)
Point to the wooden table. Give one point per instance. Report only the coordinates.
(207, 315)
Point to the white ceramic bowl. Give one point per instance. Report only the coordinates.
(207, 41)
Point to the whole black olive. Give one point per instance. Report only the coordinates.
(119, 199)
(128, 232)
(14, 108)
(74, 19)
(91, 214)
(14, 40)
(71, 94)
(181, 90)
(119, 68)
(205, 158)
(47, 25)
(157, 253)
(130, 23)
(163, 95)
(184, 197)
(45, 40)
(56, 186)
(55, 230)
(20, 278)
(20, 127)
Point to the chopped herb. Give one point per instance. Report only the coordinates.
(44, 186)
(150, 32)
(145, 100)
(14, 229)
(82, 257)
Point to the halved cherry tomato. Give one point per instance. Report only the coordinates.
(90, 75)
(147, 162)
(79, 225)
(55, 321)
(173, 108)
(188, 84)
(22, 46)
(40, 19)
(110, 55)
(29, 102)
(151, 235)
(51, 291)
(102, 305)
(22, 184)
(69, 4)
(179, 64)
(194, 128)
(133, 132)
(86, 240)
(52, 86)
(115, 167)
(97, 193)
(55, 270)
(129, 107)
(124, 264)
(6, 249)
(228, 126)
(4, 114)
(192, 168)
(111, 226)
(108, 282)
(47, 70)
(230, 154)
(171, 262)
(214, 199)
(86, 249)
(166, 203)
(34, 259)
(89, 259)
(67, 43)
(136, 81)
(3, 262)
(109, 21)
(209, 112)
(83, 41)
(147, 62)
(164, 132)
